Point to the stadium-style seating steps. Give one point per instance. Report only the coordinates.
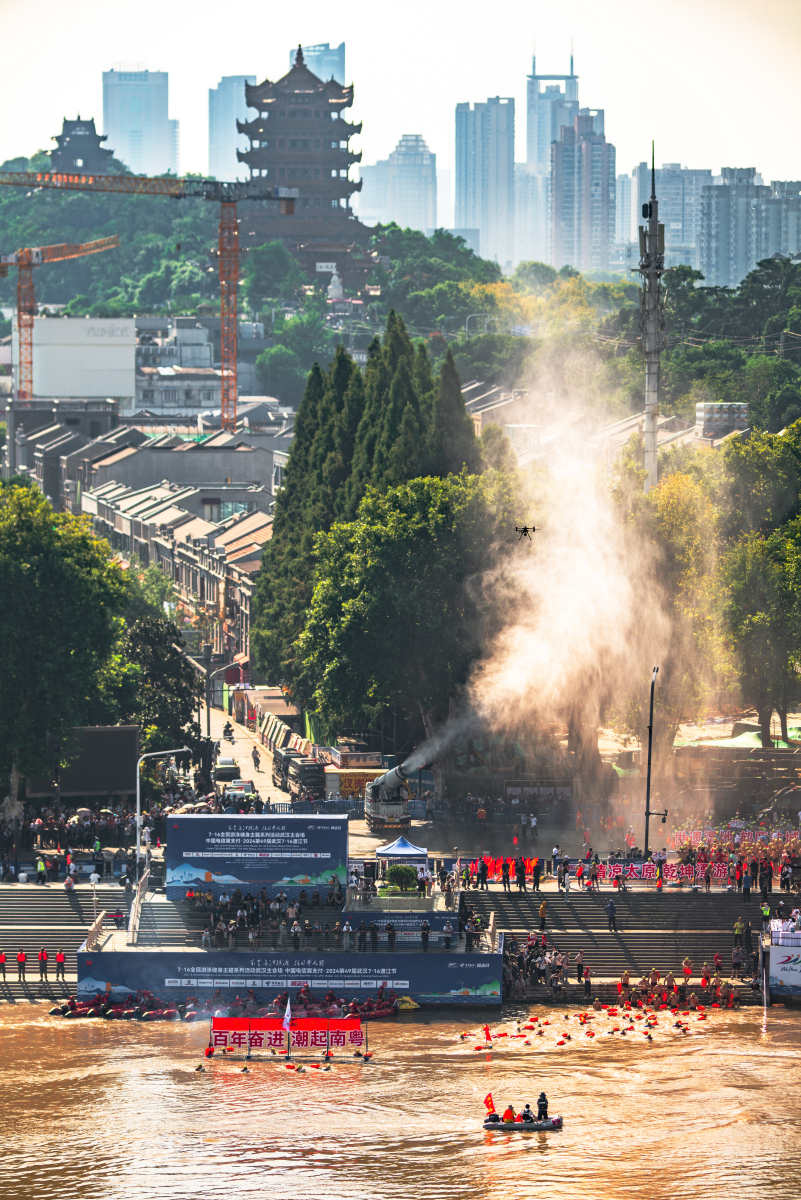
(32, 916)
(653, 930)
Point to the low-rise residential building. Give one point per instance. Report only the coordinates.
(93, 418)
(227, 457)
(212, 562)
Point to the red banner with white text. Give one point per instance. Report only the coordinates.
(268, 1033)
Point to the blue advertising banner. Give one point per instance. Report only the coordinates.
(221, 853)
(432, 979)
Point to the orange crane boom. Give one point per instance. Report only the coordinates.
(26, 260)
(226, 194)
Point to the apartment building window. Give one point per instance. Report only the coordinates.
(148, 394)
(170, 395)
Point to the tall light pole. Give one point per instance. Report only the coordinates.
(652, 320)
(153, 754)
(648, 812)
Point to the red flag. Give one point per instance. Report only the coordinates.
(489, 1102)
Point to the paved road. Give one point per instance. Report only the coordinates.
(441, 840)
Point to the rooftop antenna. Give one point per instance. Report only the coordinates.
(533, 56)
(571, 56)
(652, 320)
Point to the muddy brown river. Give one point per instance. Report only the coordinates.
(104, 1109)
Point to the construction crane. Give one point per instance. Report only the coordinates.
(226, 194)
(25, 260)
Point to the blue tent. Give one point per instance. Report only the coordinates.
(401, 850)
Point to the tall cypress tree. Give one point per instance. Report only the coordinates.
(341, 464)
(452, 441)
(289, 508)
(376, 391)
(321, 489)
(407, 455)
(401, 396)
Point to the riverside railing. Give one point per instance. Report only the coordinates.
(94, 931)
(133, 921)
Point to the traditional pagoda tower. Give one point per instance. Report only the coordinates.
(79, 149)
(299, 139)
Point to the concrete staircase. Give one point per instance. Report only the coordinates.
(162, 923)
(31, 917)
(653, 930)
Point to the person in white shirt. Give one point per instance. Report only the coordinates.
(94, 878)
(347, 930)
(533, 824)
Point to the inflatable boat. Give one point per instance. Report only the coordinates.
(554, 1122)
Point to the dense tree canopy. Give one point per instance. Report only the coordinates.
(397, 616)
(354, 430)
(165, 250)
(59, 596)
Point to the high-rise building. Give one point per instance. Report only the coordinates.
(485, 175)
(623, 209)
(79, 148)
(743, 221)
(552, 102)
(227, 105)
(446, 213)
(326, 62)
(135, 113)
(548, 108)
(403, 187)
(679, 190)
(583, 194)
(532, 193)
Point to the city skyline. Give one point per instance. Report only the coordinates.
(606, 47)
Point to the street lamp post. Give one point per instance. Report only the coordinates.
(152, 754)
(648, 812)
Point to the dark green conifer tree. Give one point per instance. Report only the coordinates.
(452, 441)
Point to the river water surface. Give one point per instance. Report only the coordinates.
(106, 1109)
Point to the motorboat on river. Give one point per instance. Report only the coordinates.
(518, 1126)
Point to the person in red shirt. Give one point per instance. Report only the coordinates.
(22, 958)
(60, 961)
(42, 964)
(3, 964)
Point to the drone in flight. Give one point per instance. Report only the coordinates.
(524, 531)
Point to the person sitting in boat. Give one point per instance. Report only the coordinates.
(353, 1007)
(330, 998)
(527, 1114)
(509, 1114)
(542, 1107)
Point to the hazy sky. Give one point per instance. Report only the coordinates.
(714, 83)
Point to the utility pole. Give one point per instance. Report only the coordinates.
(652, 320)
